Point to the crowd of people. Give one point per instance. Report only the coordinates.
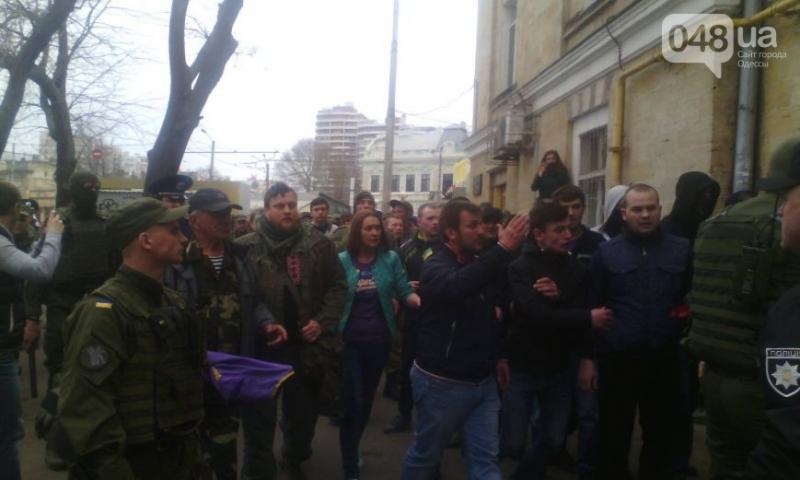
(499, 333)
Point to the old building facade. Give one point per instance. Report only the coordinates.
(586, 78)
(423, 162)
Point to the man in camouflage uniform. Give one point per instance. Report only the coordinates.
(739, 270)
(131, 390)
(218, 283)
(86, 262)
(304, 285)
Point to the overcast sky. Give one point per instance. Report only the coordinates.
(296, 57)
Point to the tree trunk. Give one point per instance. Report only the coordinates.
(190, 86)
(21, 64)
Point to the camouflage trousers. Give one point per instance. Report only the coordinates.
(218, 434)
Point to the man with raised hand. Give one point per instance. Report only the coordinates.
(458, 343)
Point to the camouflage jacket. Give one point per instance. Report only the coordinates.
(228, 301)
(309, 269)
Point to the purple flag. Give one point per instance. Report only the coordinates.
(245, 380)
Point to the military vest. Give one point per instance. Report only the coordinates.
(10, 294)
(739, 268)
(161, 388)
(85, 259)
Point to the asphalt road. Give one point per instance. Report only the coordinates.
(382, 454)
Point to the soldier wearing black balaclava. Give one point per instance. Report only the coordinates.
(84, 265)
(696, 194)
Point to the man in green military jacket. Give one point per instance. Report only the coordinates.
(304, 286)
(739, 269)
(131, 389)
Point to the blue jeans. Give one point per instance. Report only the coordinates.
(11, 428)
(363, 363)
(586, 411)
(554, 395)
(445, 407)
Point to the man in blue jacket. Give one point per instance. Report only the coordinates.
(642, 275)
(453, 377)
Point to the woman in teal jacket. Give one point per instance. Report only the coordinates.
(375, 276)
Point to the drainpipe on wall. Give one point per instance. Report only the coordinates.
(747, 109)
(614, 166)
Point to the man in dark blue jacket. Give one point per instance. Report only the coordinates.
(642, 276)
(453, 377)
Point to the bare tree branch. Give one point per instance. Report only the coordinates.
(24, 61)
(190, 87)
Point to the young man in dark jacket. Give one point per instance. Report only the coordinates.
(582, 246)
(453, 376)
(642, 275)
(551, 323)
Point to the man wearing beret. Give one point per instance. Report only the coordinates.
(131, 390)
(219, 283)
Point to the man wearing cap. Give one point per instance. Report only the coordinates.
(363, 201)
(777, 453)
(170, 190)
(304, 285)
(131, 391)
(241, 225)
(86, 262)
(740, 269)
(219, 283)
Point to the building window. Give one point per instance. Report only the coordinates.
(511, 39)
(409, 183)
(512, 33)
(592, 172)
(477, 184)
(375, 183)
(395, 183)
(447, 182)
(425, 183)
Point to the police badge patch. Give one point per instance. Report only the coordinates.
(94, 357)
(783, 370)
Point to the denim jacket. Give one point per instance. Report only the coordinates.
(641, 279)
(390, 277)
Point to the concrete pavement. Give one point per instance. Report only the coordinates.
(382, 453)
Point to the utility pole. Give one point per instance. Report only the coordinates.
(213, 149)
(441, 194)
(390, 117)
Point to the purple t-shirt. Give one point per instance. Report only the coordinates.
(367, 322)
